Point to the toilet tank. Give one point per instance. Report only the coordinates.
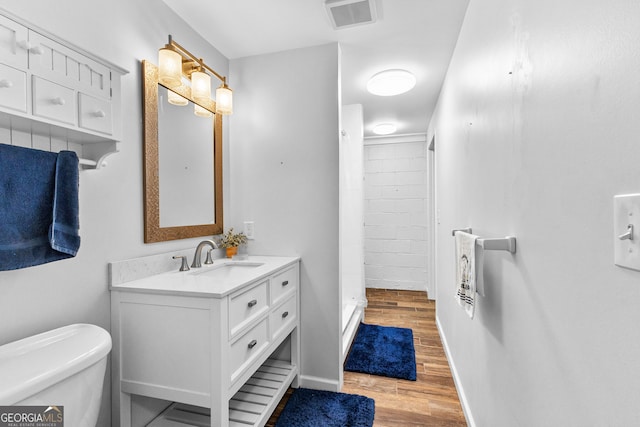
(65, 367)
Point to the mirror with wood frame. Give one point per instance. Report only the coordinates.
(182, 162)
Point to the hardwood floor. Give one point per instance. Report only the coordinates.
(432, 400)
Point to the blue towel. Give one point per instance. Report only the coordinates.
(38, 206)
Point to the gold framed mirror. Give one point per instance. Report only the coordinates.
(182, 162)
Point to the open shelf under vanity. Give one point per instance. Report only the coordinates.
(251, 406)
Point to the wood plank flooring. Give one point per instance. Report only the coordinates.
(432, 400)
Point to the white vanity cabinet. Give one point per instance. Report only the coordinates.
(231, 346)
(52, 89)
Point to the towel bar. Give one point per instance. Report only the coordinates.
(496, 244)
(500, 244)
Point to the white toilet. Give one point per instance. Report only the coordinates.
(62, 367)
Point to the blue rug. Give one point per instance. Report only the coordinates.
(317, 408)
(383, 350)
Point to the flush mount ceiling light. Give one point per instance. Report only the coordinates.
(174, 61)
(384, 128)
(391, 82)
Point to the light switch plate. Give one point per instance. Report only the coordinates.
(626, 211)
(248, 230)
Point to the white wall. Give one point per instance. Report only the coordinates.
(537, 129)
(284, 177)
(351, 207)
(395, 213)
(111, 210)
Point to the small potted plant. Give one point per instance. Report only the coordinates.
(231, 241)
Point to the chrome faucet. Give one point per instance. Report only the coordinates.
(197, 262)
(185, 265)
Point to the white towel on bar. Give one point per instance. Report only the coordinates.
(468, 270)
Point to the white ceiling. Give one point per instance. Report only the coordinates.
(416, 35)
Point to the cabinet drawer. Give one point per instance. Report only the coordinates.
(283, 316)
(247, 305)
(13, 88)
(282, 284)
(247, 348)
(13, 43)
(53, 101)
(95, 114)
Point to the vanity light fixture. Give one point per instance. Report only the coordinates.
(391, 82)
(201, 112)
(174, 61)
(384, 128)
(224, 99)
(200, 86)
(170, 66)
(175, 99)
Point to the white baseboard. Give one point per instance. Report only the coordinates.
(461, 395)
(317, 383)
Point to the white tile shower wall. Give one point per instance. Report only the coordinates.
(395, 215)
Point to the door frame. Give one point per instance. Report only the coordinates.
(433, 219)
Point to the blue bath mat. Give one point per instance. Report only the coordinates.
(317, 408)
(383, 350)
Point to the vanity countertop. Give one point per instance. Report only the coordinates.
(213, 281)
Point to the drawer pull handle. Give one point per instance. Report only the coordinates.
(285, 314)
(58, 101)
(285, 283)
(252, 344)
(252, 303)
(26, 45)
(99, 114)
(36, 50)
(6, 83)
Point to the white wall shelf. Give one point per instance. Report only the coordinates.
(55, 96)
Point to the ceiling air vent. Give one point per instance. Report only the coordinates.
(348, 13)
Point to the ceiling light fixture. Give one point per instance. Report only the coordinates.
(391, 82)
(174, 61)
(384, 128)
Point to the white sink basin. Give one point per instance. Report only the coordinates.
(227, 270)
